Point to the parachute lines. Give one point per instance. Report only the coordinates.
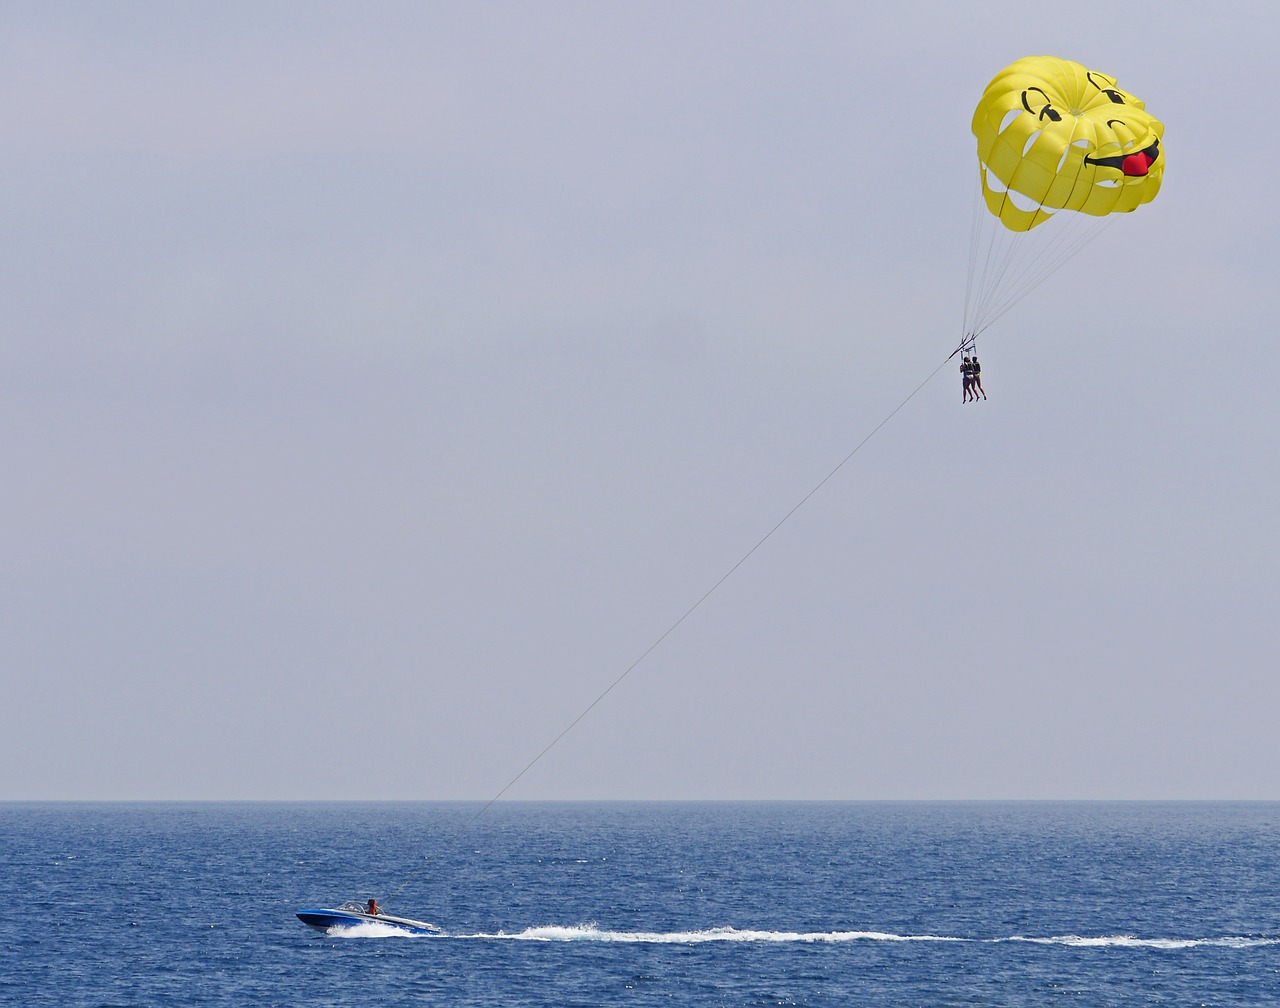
(1005, 266)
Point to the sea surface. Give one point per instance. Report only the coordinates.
(588, 904)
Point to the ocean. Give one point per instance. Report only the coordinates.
(639, 903)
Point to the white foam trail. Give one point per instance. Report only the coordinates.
(589, 932)
(368, 929)
(592, 933)
(1132, 941)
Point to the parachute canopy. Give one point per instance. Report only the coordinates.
(1053, 135)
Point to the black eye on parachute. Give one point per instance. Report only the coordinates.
(1047, 112)
(1110, 92)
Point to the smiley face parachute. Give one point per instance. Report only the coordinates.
(1053, 135)
(1061, 148)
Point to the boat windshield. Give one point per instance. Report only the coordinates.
(354, 905)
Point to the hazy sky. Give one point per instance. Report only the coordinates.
(380, 380)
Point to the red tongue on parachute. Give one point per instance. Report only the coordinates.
(1136, 164)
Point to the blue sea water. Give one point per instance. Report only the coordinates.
(587, 904)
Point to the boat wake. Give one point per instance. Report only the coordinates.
(1132, 941)
(589, 932)
(592, 933)
(370, 929)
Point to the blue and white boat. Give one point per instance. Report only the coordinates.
(352, 913)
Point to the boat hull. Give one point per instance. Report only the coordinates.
(323, 919)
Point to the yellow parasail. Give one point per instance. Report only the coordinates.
(1053, 135)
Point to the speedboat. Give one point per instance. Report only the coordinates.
(352, 913)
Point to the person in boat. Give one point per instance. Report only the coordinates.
(372, 910)
(966, 376)
(975, 372)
